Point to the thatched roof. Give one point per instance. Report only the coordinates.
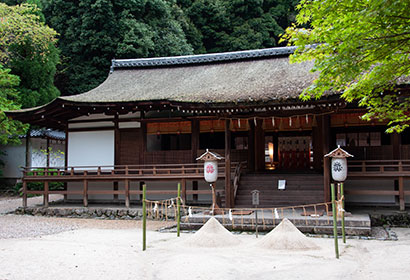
(247, 78)
(230, 82)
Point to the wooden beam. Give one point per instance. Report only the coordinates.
(228, 188)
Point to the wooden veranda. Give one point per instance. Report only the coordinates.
(121, 173)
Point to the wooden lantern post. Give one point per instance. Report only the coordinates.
(211, 174)
(339, 175)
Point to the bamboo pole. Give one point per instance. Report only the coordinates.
(332, 186)
(343, 213)
(144, 218)
(179, 210)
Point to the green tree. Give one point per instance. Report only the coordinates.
(19, 23)
(8, 94)
(361, 49)
(34, 63)
(95, 31)
(230, 25)
(36, 72)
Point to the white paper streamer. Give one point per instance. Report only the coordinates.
(254, 121)
(239, 123)
(172, 204)
(230, 215)
(307, 118)
(190, 211)
(273, 121)
(290, 121)
(276, 214)
(156, 207)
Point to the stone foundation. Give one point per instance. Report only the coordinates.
(83, 212)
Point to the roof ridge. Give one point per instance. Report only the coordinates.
(200, 58)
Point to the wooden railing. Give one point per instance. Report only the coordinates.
(115, 173)
(397, 170)
(111, 172)
(378, 168)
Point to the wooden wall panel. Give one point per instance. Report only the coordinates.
(130, 147)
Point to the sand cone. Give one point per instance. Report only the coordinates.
(212, 234)
(286, 237)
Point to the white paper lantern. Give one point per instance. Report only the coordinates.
(211, 171)
(339, 169)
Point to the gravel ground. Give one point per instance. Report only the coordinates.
(20, 226)
(9, 204)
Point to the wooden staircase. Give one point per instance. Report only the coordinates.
(300, 189)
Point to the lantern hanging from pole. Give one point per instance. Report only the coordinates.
(339, 164)
(210, 165)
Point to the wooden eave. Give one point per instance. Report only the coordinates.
(58, 113)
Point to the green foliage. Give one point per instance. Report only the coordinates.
(36, 73)
(95, 31)
(229, 25)
(361, 49)
(22, 22)
(29, 52)
(92, 32)
(8, 94)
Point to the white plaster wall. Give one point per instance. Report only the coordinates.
(14, 158)
(91, 148)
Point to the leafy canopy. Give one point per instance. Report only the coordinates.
(8, 93)
(362, 49)
(22, 22)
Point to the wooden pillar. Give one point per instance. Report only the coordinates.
(194, 149)
(402, 201)
(321, 143)
(228, 189)
(251, 146)
(142, 183)
(143, 142)
(115, 188)
(396, 143)
(195, 188)
(194, 139)
(66, 159)
(24, 194)
(85, 190)
(398, 182)
(127, 193)
(28, 154)
(45, 196)
(117, 154)
(259, 146)
(183, 190)
(48, 151)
